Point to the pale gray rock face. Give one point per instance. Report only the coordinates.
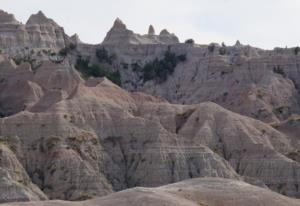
(75, 155)
(167, 37)
(39, 32)
(75, 39)
(195, 192)
(7, 18)
(84, 139)
(79, 139)
(120, 35)
(243, 79)
(15, 184)
(44, 32)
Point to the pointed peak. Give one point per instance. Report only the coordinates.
(151, 30)
(7, 18)
(238, 43)
(118, 24)
(40, 18)
(164, 32)
(75, 38)
(41, 14)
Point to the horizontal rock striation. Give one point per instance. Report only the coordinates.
(195, 192)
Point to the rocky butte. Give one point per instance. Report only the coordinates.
(145, 118)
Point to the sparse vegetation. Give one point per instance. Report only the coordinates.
(260, 94)
(296, 50)
(279, 70)
(136, 66)
(125, 65)
(189, 41)
(84, 196)
(104, 57)
(3, 139)
(33, 62)
(223, 50)
(161, 69)
(96, 70)
(211, 48)
(294, 155)
(65, 51)
(52, 142)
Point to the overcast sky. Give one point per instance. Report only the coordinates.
(261, 23)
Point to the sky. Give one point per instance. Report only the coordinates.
(261, 23)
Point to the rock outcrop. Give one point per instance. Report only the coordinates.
(44, 32)
(39, 32)
(151, 30)
(261, 84)
(120, 35)
(15, 184)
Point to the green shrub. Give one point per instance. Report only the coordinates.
(223, 49)
(33, 62)
(189, 41)
(65, 51)
(104, 57)
(296, 50)
(279, 70)
(211, 48)
(72, 46)
(136, 66)
(96, 70)
(160, 69)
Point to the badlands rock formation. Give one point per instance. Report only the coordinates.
(260, 84)
(254, 82)
(68, 136)
(39, 32)
(195, 192)
(120, 35)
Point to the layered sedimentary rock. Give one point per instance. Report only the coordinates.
(39, 32)
(253, 82)
(120, 35)
(44, 32)
(195, 192)
(71, 137)
(84, 139)
(15, 184)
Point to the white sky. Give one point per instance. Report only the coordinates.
(261, 23)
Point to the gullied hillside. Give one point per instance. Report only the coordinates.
(79, 121)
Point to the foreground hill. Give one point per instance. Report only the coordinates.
(195, 192)
(78, 139)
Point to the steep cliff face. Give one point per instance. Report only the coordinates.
(44, 32)
(253, 82)
(39, 32)
(250, 81)
(15, 184)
